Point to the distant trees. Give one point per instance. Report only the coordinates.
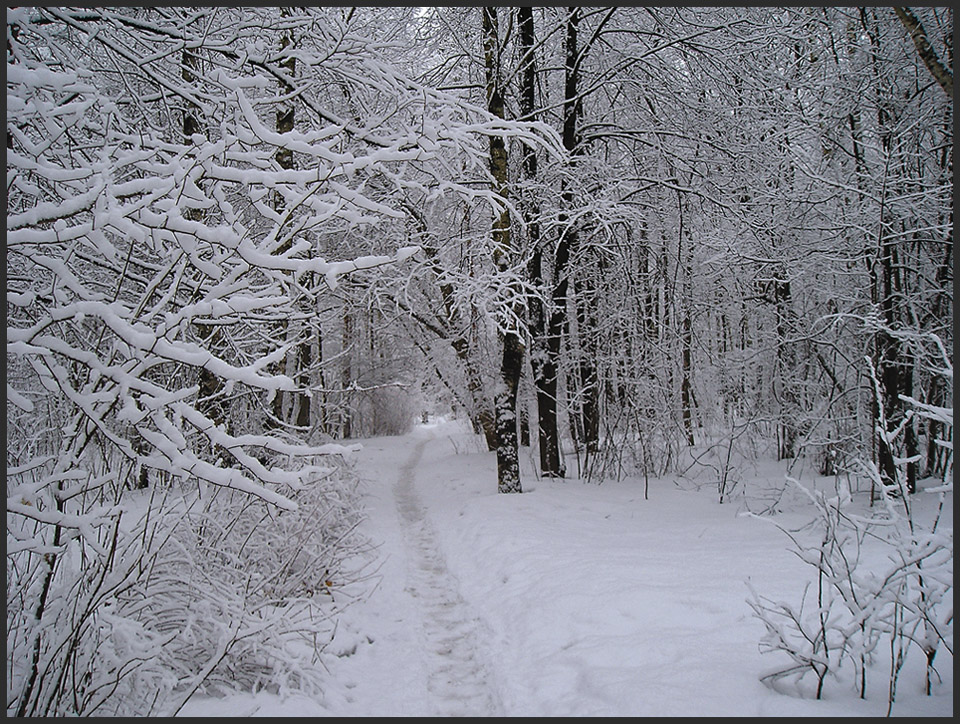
(706, 255)
(713, 246)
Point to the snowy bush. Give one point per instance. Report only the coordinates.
(884, 578)
(209, 590)
(248, 591)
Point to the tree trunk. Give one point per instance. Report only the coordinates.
(210, 387)
(346, 377)
(588, 391)
(587, 367)
(292, 406)
(785, 363)
(686, 391)
(890, 361)
(544, 359)
(524, 426)
(304, 362)
(569, 238)
(505, 401)
(942, 74)
(886, 363)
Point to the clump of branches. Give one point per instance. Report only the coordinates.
(161, 251)
(194, 589)
(884, 576)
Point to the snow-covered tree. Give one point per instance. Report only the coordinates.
(168, 247)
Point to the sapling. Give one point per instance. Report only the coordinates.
(903, 599)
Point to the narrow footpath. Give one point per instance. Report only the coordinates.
(416, 613)
(456, 676)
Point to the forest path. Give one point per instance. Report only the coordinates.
(410, 645)
(450, 631)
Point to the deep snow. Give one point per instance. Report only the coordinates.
(572, 599)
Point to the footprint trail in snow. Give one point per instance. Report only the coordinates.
(458, 677)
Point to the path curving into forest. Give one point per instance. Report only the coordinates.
(457, 675)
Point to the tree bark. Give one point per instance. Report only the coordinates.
(346, 377)
(209, 385)
(686, 390)
(505, 401)
(890, 358)
(785, 363)
(585, 376)
(589, 379)
(928, 55)
(543, 361)
(292, 406)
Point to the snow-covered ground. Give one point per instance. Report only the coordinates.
(573, 599)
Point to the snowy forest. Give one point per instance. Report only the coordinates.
(616, 243)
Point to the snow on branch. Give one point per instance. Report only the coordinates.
(128, 241)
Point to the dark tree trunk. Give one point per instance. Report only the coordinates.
(569, 237)
(888, 368)
(508, 461)
(544, 360)
(588, 392)
(346, 377)
(911, 442)
(587, 368)
(304, 360)
(505, 401)
(686, 392)
(210, 387)
(786, 361)
(683, 296)
(524, 426)
(292, 406)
